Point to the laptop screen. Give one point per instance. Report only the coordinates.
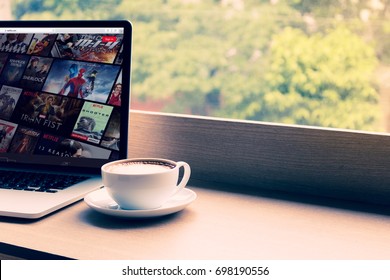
(61, 95)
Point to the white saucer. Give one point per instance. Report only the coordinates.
(100, 201)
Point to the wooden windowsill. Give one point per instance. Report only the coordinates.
(331, 163)
(218, 225)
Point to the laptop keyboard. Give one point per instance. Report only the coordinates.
(37, 182)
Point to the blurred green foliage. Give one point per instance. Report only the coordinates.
(290, 61)
(322, 79)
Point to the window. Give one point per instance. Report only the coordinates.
(317, 63)
(321, 63)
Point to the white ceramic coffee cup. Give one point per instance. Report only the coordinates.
(143, 183)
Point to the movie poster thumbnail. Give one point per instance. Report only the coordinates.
(7, 42)
(15, 43)
(47, 112)
(114, 155)
(9, 96)
(116, 92)
(7, 131)
(88, 47)
(36, 72)
(84, 80)
(92, 122)
(64, 147)
(3, 60)
(24, 141)
(111, 137)
(41, 44)
(13, 70)
(119, 58)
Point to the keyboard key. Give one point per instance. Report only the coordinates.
(39, 182)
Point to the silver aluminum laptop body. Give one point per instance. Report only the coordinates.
(64, 109)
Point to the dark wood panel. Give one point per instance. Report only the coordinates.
(12, 252)
(332, 163)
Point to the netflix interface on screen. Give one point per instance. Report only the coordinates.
(60, 94)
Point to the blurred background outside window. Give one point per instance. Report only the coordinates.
(319, 63)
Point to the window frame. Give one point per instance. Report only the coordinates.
(248, 155)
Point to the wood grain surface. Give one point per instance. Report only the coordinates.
(218, 225)
(333, 163)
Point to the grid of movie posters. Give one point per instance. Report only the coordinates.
(60, 94)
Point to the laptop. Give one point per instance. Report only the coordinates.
(64, 109)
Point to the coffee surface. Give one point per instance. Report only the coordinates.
(140, 167)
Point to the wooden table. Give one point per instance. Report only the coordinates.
(218, 225)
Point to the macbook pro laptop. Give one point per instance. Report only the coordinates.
(64, 109)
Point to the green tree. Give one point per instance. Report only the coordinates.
(315, 80)
(64, 9)
(189, 50)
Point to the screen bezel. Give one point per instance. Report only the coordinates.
(65, 164)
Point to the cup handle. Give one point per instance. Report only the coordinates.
(186, 175)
